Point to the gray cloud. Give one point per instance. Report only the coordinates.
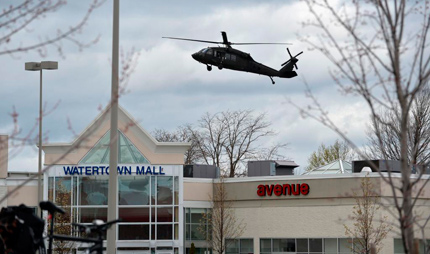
(169, 88)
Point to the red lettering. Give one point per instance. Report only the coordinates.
(261, 191)
(269, 189)
(284, 189)
(295, 190)
(278, 190)
(304, 189)
(287, 189)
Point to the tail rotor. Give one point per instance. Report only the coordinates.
(293, 59)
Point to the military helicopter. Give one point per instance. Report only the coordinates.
(233, 59)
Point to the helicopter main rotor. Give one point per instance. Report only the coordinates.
(226, 42)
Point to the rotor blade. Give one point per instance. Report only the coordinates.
(298, 54)
(224, 38)
(260, 43)
(289, 53)
(183, 39)
(285, 62)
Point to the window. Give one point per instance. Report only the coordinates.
(148, 205)
(233, 57)
(134, 190)
(306, 245)
(196, 227)
(398, 246)
(239, 246)
(127, 152)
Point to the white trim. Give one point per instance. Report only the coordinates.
(316, 177)
(197, 204)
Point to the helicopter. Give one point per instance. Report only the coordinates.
(230, 58)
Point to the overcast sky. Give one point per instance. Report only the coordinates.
(169, 88)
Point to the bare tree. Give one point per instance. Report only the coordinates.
(368, 229)
(271, 153)
(212, 138)
(183, 133)
(326, 154)
(222, 220)
(225, 139)
(385, 59)
(18, 17)
(243, 130)
(418, 133)
(228, 138)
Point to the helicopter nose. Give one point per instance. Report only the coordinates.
(194, 56)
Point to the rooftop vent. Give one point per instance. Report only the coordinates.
(271, 168)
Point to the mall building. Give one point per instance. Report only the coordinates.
(162, 203)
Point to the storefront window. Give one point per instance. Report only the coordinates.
(164, 190)
(315, 245)
(303, 246)
(63, 191)
(164, 214)
(134, 214)
(232, 246)
(134, 191)
(266, 245)
(330, 245)
(133, 232)
(239, 246)
(345, 245)
(284, 245)
(148, 205)
(51, 188)
(87, 215)
(196, 226)
(176, 190)
(246, 246)
(93, 191)
(164, 232)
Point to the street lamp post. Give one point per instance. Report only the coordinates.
(39, 66)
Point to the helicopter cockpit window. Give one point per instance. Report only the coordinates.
(233, 57)
(203, 51)
(227, 56)
(209, 52)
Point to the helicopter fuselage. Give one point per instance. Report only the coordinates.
(233, 59)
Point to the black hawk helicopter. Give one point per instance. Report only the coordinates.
(233, 59)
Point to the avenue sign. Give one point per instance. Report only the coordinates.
(283, 189)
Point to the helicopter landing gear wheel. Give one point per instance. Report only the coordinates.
(220, 66)
(209, 68)
(273, 82)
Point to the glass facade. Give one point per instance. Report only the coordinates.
(306, 245)
(148, 205)
(127, 152)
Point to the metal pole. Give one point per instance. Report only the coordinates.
(113, 159)
(39, 178)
